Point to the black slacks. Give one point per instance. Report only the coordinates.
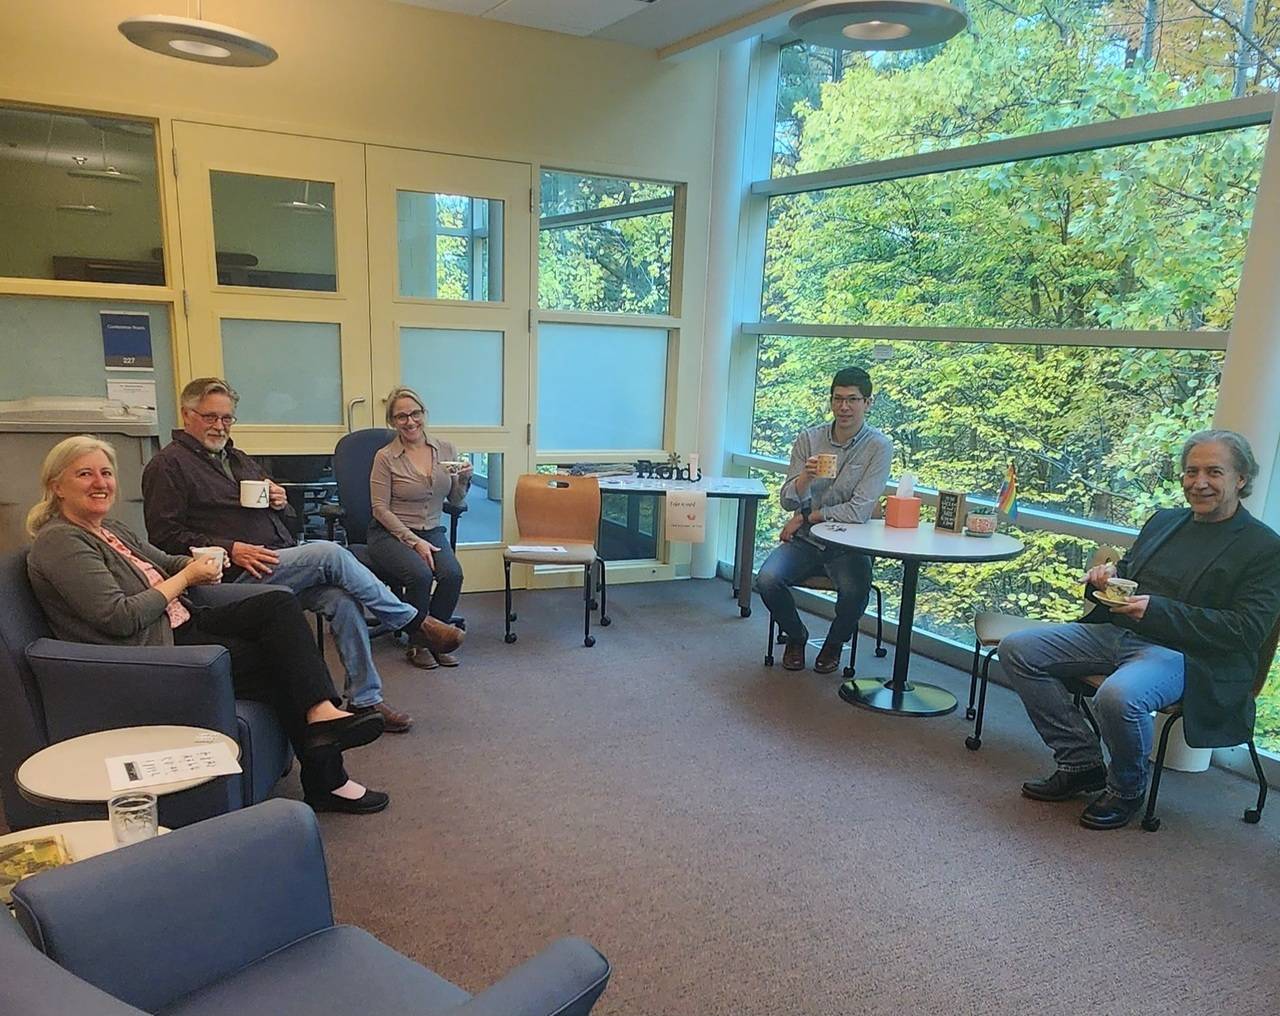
(274, 659)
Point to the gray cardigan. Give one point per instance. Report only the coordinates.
(90, 593)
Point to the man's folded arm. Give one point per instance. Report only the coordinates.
(868, 490)
(788, 495)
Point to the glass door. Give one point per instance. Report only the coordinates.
(275, 255)
(449, 271)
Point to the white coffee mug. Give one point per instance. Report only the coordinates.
(255, 494)
(827, 465)
(219, 552)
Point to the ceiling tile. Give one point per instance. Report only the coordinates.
(574, 17)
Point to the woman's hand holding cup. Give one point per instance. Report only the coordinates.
(203, 571)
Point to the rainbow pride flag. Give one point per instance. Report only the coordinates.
(1007, 501)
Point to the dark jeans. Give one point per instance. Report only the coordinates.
(796, 561)
(274, 659)
(399, 564)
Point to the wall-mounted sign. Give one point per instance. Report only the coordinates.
(951, 511)
(126, 340)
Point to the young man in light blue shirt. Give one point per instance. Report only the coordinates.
(863, 456)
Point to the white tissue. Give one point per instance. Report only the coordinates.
(906, 485)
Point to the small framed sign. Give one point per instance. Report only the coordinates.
(951, 511)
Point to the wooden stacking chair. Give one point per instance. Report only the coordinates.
(558, 517)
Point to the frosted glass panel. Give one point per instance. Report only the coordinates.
(54, 347)
(601, 386)
(482, 521)
(449, 246)
(273, 232)
(79, 198)
(457, 371)
(285, 371)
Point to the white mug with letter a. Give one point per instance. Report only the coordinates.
(255, 494)
(827, 463)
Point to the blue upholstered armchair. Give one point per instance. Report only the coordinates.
(52, 690)
(233, 916)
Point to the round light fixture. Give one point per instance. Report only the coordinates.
(877, 24)
(201, 41)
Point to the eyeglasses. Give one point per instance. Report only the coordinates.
(415, 416)
(846, 400)
(211, 418)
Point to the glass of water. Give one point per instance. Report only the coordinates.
(133, 817)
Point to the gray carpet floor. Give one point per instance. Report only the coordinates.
(738, 841)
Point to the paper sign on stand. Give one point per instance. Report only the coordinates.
(687, 516)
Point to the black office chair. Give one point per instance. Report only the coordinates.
(352, 464)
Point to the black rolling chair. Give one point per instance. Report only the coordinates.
(352, 464)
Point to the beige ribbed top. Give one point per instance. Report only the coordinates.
(405, 499)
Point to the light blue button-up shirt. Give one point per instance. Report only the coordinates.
(862, 469)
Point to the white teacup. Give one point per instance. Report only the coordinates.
(1119, 589)
(827, 464)
(219, 552)
(255, 494)
(453, 465)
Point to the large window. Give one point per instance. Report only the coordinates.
(1022, 67)
(1095, 432)
(1032, 237)
(1144, 236)
(79, 198)
(604, 244)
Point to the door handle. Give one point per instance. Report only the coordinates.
(351, 406)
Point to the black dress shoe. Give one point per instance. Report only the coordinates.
(1064, 785)
(1110, 811)
(369, 802)
(347, 732)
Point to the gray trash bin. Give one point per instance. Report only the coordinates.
(30, 427)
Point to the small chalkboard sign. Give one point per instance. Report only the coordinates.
(951, 511)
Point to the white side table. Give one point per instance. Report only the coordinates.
(83, 839)
(72, 771)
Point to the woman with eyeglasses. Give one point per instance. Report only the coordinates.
(100, 583)
(412, 478)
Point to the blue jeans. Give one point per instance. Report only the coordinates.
(796, 561)
(1141, 678)
(329, 581)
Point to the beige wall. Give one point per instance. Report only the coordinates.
(386, 73)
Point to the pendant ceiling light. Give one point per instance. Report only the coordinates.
(877, 24)
(198, 40)
(107, 172)
(306, 205)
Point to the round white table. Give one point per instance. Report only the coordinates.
(82, 839)
(72, 771)
(911, 547)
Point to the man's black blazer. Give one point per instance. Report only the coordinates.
(1219, 621)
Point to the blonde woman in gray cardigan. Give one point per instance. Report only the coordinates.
(99, 582)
